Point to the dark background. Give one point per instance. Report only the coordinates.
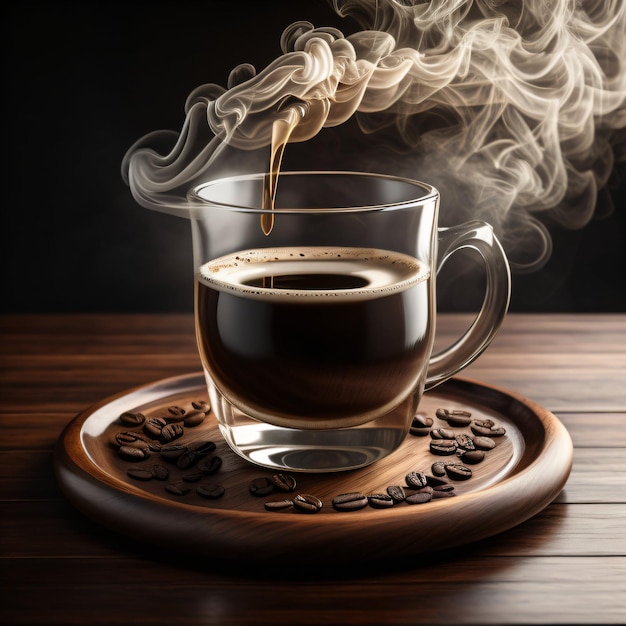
(84, 80)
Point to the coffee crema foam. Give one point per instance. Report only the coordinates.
(370, 273)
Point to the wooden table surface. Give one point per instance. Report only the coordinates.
(566, 565)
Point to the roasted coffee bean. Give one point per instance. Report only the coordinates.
(397, 493)
(201, 405)
(442, 414)
(178, 489)
(202, 448)
(284, 482)
(439, 468)
(380, 500)
(210, 465)
(261, 487)
(441, 433)
(160, 472)
(484, 443)
(421, 421)
(132, 419)
(130, 439)
(307, 503)
(420, 497)
(350, 501)
(172, 431)
(173, 451)
(187, 459)
(140, 473)
(154, 426)
(193, 477)
(419, 431)
(487, 431)
(194, 418)
(459, 417)
(455, 471)
(416, 480)
(420, 425)
(131, 453)
(471, 456)
(212, 492)
(278, 505)
(443, 447)
(176, 411)
(155, 446)
(465, 442)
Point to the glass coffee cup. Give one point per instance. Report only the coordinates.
(316, 318)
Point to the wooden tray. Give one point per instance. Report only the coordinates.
(517, 479)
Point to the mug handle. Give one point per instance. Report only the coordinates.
(478, 236)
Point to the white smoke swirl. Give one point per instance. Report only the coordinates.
(519, 104)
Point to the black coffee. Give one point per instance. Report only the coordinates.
(315, 333)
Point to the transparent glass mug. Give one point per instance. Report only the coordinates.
(316, 333)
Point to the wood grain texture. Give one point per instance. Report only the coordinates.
(567, 564)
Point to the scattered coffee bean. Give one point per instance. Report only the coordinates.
(278, 505)
(201, 405)
(160, 472)
(484, 443)
(422, 421)
(471, 456)
(397, 493)
(210, 491)
(307, 503)
(202, 448)
(420, 497)
(487, 428)
(350, 501)
(171, 431)
(420, 425)
(130, 439)
(176, 411)
(442, 433)
(443, 447)
(380, 500)
(459, 418)
(284, 482)
(442, 414)
(154, 426)
(194, 418)
(187, 459)
(438, 468)
(154, 446)
(465, 442)
(131, 453)
(193, 477)
(132, 419)
(261, 487)
(416, 480)
(210, 465)
(178, 489)
(173, 451)
(140, 473)
(455, 471)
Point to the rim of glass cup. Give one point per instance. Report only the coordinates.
(196, 196)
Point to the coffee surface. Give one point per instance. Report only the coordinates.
(315, 333)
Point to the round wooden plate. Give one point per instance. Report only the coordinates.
(518, 478)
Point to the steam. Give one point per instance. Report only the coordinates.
(515, 110)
